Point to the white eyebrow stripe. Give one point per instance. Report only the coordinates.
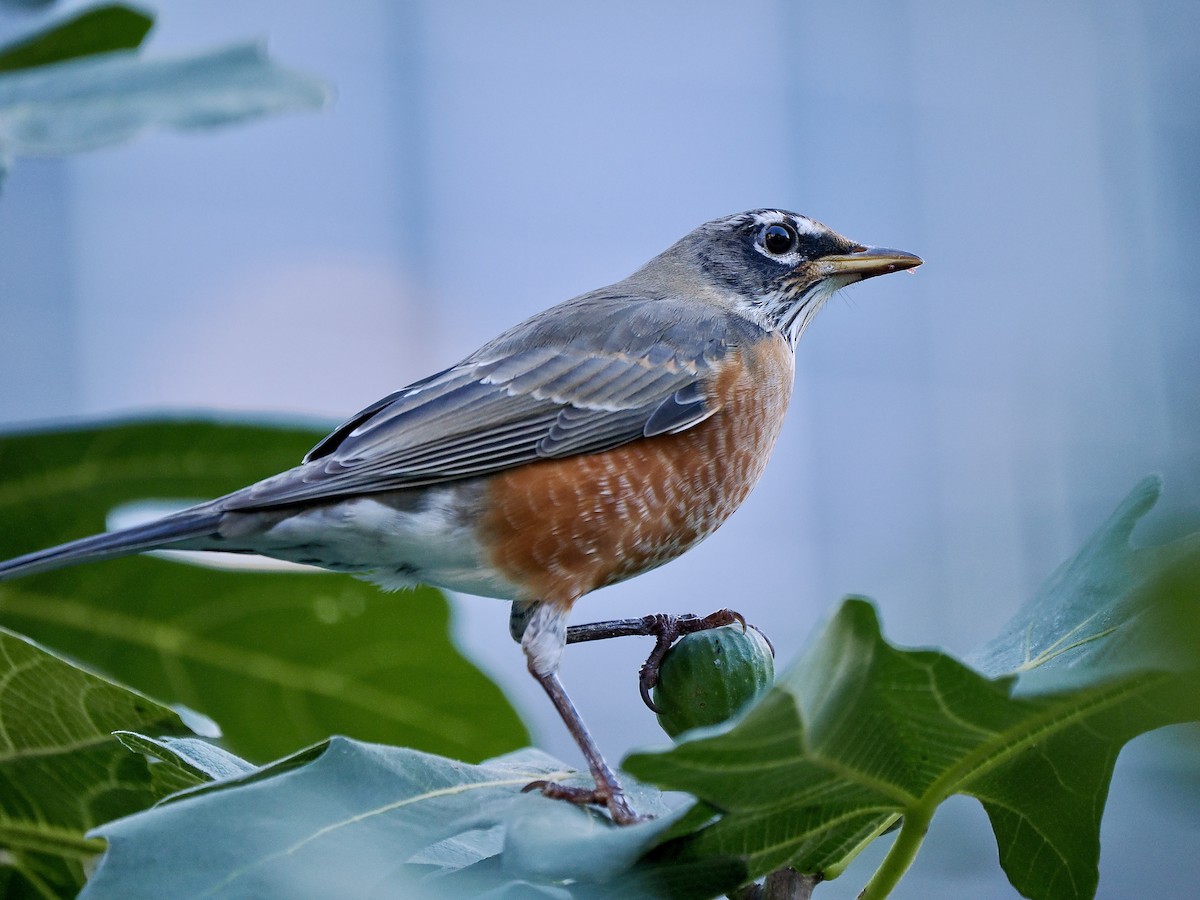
(802, 224)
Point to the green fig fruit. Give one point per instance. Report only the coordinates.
(709, 676)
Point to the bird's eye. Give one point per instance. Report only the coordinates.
(779, 239)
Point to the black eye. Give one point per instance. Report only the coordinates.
(779, 239)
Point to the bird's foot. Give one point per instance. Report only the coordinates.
(666, 629)
(610, 796)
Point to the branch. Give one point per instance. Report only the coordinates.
(782, 884)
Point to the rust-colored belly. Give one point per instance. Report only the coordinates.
(560, 528)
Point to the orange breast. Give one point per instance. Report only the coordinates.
(560, 528)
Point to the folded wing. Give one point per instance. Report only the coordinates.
(541, 391)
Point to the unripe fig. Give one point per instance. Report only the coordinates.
(709, 676)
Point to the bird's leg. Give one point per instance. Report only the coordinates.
(665, 629)
(543, 633)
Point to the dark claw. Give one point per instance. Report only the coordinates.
(763, 635)
(555, 791)
(618, 807)
(668, 632)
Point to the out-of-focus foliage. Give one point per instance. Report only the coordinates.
(82, 83)
(280, 659)
(101, 29)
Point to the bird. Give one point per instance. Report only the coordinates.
(592, 442)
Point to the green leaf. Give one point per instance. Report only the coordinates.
(94, 101)
(281, 660)
(101, 29)
(61, 770)
(198, 758)
(352, 819)
(177, 764)
(859, 732)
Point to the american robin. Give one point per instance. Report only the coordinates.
(590, 443)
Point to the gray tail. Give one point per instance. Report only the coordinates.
(151, 536)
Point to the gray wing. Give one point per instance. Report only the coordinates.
(546, 389)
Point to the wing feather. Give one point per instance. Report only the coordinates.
(544, 390)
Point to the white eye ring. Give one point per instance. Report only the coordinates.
(779, 239)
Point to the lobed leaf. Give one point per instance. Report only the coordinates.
(859, 732)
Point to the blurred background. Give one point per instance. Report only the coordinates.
(954, 435)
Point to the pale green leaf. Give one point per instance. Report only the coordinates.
(352, 819)
(94, 101)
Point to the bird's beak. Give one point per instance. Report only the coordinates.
(868, 262)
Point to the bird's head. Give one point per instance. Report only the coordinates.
(777, 267)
